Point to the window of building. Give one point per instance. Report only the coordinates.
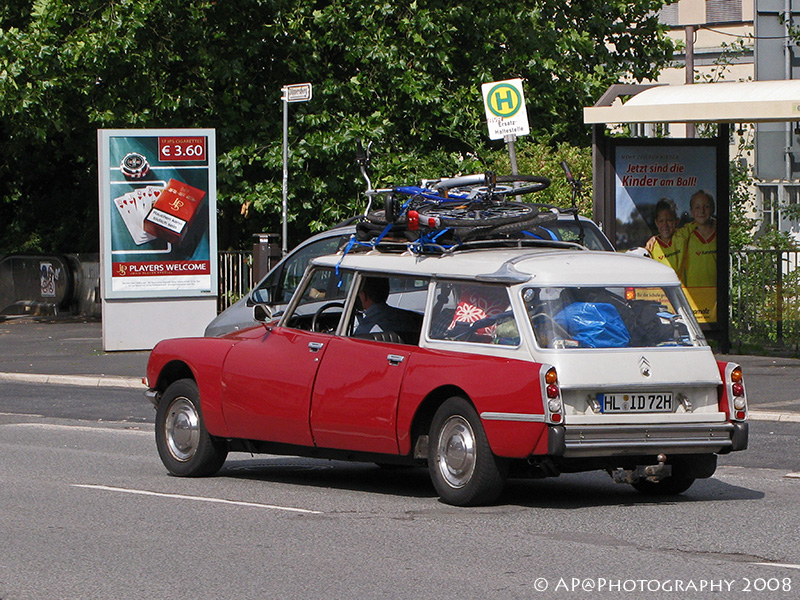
(723, 11)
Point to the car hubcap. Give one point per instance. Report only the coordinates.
(182, 429)
(455, 451)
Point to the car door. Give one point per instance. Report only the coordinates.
(354, 404)
(356, 394)
(268, 381)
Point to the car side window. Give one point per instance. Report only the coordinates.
(321, 301)
(470, 312)
(389, 309)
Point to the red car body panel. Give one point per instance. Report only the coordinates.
(492, 384)
(207, 357)
(267, 385)
(314, 389)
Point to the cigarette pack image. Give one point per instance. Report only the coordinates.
(174, 212)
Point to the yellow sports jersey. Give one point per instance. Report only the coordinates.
(700, 260)
(668, 253)
(698, 271)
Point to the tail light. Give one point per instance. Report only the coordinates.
(735, 393)
(551, 396)
(413, 220)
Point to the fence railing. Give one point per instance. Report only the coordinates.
(235, 277)
(765, 297)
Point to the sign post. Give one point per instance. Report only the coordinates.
(506, 114)
(298, 92)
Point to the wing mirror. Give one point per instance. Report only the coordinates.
(262, 313)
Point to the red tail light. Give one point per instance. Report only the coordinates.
(551, 395)
(734, 393)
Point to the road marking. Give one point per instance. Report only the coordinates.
(783, 566)
(196, 498)
(104, 427)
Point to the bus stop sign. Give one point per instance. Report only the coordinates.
(506, 113)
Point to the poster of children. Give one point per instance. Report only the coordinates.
(666, 203)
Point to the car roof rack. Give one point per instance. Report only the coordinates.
(395, 245)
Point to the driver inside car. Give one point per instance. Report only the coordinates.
(378, 316)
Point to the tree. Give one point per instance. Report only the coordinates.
(405, 75)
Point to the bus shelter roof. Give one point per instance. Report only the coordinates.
(725, 102)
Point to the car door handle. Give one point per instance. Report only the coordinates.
(395, 359)
(315, 346)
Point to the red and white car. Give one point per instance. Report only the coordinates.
(523, 361)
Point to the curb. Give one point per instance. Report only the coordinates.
(763, 415)
(78, 380)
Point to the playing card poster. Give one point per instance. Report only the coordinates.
(157, 209)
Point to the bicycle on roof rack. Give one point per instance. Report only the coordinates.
(441, 214)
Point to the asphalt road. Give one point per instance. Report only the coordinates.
(88, 511)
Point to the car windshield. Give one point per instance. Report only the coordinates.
(611, 317)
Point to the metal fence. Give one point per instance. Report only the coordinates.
(765, 298)
(235, 277)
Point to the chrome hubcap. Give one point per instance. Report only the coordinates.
(182, 429)
(455, 451)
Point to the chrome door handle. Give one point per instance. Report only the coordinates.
(395, 359)
(315, 346)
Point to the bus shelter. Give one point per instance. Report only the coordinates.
(634, 178)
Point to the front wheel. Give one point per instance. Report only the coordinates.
(184, 445)
(462, 467)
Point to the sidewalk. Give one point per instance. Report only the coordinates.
(69, 351)
(65, 350)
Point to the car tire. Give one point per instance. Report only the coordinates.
(184, 445)
(462, 467)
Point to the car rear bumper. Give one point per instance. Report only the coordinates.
(580, 441)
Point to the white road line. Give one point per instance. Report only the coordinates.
(783, 566)
(196, 498)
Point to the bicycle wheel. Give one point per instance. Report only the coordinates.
(503, 185)
(475, 214)
(535, 183)
(506, 229)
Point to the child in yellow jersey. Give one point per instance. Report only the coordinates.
(699, 260)
(662, 247)
(698, 267)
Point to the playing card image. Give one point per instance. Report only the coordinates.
(132, 209)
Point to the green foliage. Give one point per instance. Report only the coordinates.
(405, 75)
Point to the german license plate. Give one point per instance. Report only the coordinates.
(644, 402)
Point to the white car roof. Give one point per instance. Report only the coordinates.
(538, 266)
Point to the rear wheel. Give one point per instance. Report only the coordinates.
(477, 214)
(183, 443)
(462, 467)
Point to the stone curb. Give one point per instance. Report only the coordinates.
(78, 380)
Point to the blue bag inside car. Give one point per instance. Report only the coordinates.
(594, 325)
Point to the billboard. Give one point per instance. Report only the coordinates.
(158, 213)
(666, 201)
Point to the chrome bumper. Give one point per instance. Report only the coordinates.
(153, 396)
(618, 440)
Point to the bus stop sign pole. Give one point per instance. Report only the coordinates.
(298, 92)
